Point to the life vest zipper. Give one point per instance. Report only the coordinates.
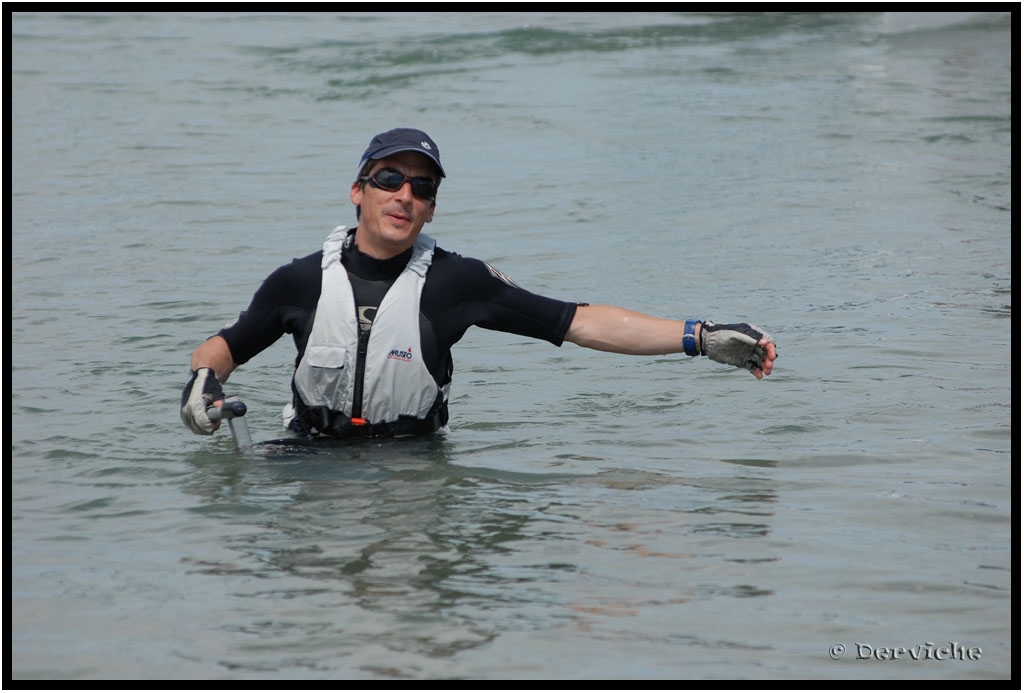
(360, 374)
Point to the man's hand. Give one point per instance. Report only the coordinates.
(740, 345)
(202, 391)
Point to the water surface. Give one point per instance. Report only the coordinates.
(839, 179)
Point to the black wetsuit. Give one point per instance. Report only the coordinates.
(458, 293)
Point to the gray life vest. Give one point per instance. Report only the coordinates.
(396, 381)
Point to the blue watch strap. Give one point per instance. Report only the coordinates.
(690, 339)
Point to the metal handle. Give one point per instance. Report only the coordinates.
(233, 409)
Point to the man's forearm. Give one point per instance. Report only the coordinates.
(214, 354)
(622, 331)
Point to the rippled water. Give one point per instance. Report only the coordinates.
(843, 180)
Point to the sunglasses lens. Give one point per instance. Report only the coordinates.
(388, 180)
(424, 188)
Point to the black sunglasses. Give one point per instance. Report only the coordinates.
(391, 180)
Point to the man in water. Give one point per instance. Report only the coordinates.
(375, 313)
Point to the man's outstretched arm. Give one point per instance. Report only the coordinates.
(623, 331)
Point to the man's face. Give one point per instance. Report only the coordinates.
(389, 222)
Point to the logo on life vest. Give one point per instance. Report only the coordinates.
(401, 355)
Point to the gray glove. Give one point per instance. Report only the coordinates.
(201, 391)
(733, 345)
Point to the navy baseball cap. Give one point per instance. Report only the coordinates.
(402, 140)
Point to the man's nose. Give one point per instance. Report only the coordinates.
(405, 189)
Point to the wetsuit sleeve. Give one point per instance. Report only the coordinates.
(281, 305)
(467, 292)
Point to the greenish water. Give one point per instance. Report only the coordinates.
(842, 180)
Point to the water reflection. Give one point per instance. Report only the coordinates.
(396, 544)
